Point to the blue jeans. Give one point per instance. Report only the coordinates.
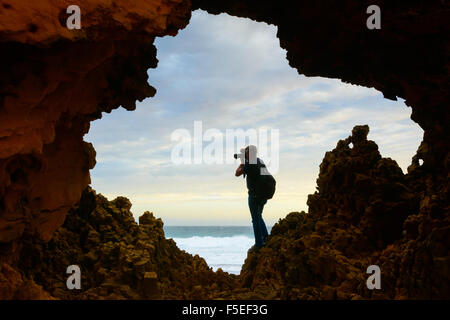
(256, 206)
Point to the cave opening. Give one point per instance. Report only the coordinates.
(231, 73)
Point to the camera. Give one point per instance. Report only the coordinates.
(239, 156)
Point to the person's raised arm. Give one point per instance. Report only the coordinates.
(239, 170)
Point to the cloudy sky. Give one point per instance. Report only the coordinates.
(230, 73)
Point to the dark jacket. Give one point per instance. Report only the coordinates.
(253, 171)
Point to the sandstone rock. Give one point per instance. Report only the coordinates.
(61, 80)
(151, 284)
(323, 254)
(118, 258)
(14, 286)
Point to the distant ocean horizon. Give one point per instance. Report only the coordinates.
(221, 246)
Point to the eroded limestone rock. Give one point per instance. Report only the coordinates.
(118, 258)
(365, 212)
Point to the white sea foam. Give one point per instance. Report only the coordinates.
(227, 253)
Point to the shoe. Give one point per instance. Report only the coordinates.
(265, 241)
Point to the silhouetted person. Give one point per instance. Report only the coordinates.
(251, 167)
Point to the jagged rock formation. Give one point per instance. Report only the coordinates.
(118, 258)
(54, 81)
(364, 212)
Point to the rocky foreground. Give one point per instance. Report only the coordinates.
(365, 211)
(119, 259)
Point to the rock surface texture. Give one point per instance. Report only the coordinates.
(365, 212)
(118, 258)
(55, 81)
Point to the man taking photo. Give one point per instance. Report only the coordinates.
(261, 186)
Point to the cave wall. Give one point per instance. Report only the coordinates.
(55, 81)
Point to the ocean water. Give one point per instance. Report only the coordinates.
(221, 246)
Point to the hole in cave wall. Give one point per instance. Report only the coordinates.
(20, 167)
(231, 73)
(18, 176)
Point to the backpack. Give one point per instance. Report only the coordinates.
(266, 185)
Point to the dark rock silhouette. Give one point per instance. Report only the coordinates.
(364, 212)
(119, 259)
